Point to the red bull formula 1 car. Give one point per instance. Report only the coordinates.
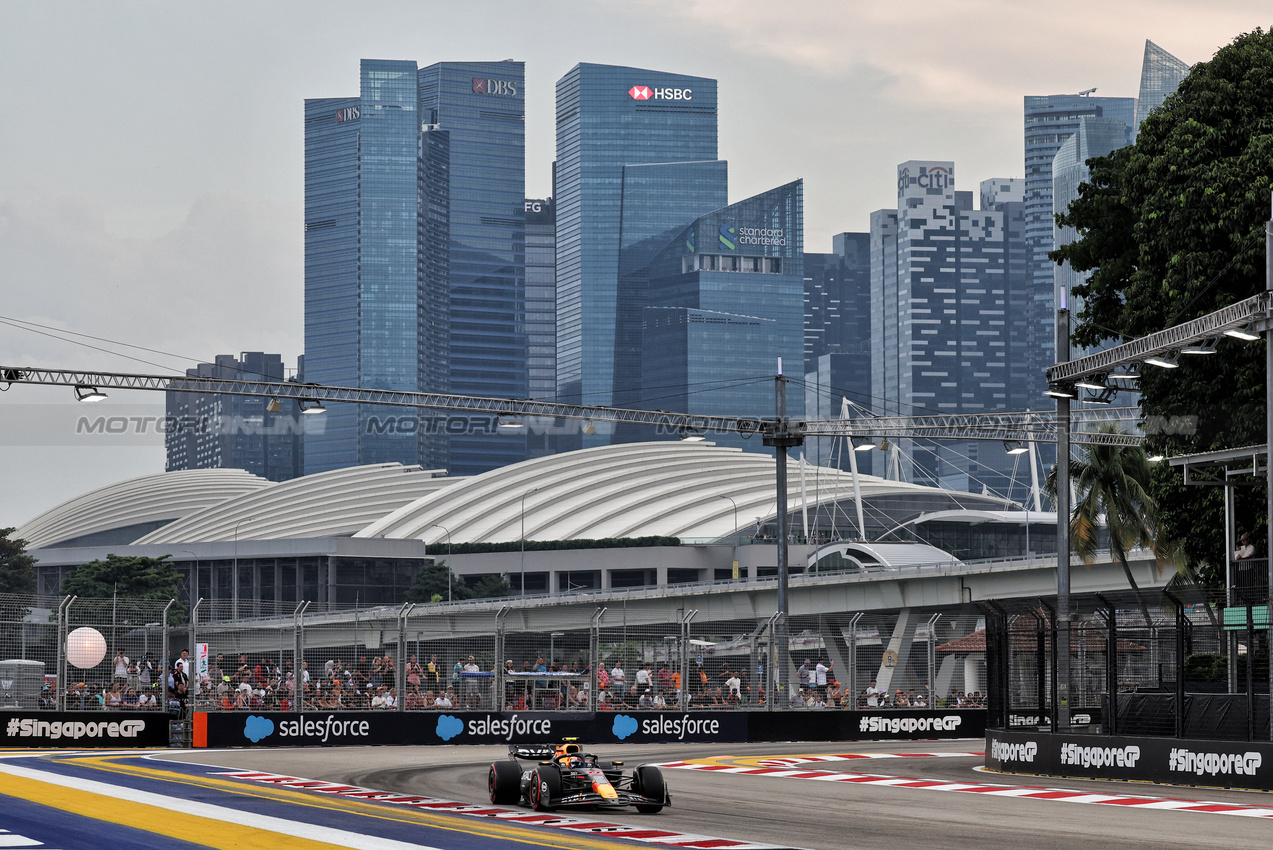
(567, 777)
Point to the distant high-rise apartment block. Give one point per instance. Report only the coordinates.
(636, 161)
(415, 258)
(214, 431)
(949, 292)
(1049, 121)
(1160, 76)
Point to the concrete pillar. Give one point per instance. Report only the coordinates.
(972, 671)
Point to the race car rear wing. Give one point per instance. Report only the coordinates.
(537, 752)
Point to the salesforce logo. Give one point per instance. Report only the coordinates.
(449, 727)
(256, 728)
(623, 726)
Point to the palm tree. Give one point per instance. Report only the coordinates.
(1111, 483)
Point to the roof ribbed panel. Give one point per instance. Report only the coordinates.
(166, 496)
(674, 489)
(327, 504)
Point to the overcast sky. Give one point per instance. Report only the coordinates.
(151, 156)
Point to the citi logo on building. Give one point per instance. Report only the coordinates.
(647, 93)
(499, 88)
(933, 177)
(349, 114)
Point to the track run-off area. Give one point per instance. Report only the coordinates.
(744, 796)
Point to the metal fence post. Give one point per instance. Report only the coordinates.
(298, 666)
(852, 643)
(194, 623)
(63, 629)
(594, 656)
(932, 659)
(684, 695)
(770, 656)
(401, 703)
(500, 652)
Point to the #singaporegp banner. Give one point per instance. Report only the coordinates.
(1172, 761)
(372, 728)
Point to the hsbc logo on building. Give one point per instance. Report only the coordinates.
(647, 93)
(499, 88)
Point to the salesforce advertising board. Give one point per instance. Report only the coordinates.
(84, 729)
(1223, 764)
(370, 728)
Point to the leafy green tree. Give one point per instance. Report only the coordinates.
(17, 568)
(1171, 228)
(430, 584)
(104, 583)
(1111, 485)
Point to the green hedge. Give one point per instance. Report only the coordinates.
(553, 545)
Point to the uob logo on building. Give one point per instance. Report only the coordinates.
(728, 233)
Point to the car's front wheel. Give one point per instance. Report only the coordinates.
(647, 780)
(545, 786)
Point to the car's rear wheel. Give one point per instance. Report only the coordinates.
(545, 786)
(504, 782)
(647, 781)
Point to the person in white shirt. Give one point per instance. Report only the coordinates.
(1245, 549)
(734, 684)
(121, 664)
(820, 677)
(391, 698)
(658, 700)
(378, 701)
(618, 679)
(443, 701)
(872, 694)
(643, 678)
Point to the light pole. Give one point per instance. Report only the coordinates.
(733, 559)
(234, 607)
(523, 536)
(448, 556)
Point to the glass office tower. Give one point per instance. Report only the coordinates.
(1160, 76)
(610, 212)
(1049, 121)
(725, 301)
(414, 258)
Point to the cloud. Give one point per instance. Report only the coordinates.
(623, 726)
(449, 727)
(256, 728)
(225, 278)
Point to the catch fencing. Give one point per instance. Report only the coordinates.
(1170, 665)
(519, 656)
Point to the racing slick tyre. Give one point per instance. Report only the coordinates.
(545, 786)
(504, 783)
(647, 781)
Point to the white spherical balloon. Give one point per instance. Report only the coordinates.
(85, 647)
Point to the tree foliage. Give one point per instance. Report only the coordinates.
(125, 578)
(17, 568)
(1171, 228)
(430, 585)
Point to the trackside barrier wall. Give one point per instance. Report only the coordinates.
(83, 729)
(349, 728)
(1216, 764)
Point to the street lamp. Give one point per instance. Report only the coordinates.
(523, 536)
(448, 555)
(734, 559)
(194, 593)
(235, 578)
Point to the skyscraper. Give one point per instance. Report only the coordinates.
(215, 431)
(724, 302)
(636, 161)
(414, 257)
(1160, 76)
(1049, 121)
(948, 285)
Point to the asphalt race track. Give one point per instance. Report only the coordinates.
(819, 813)
(745, 797)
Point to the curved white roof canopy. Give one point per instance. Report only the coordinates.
(979, 517)
(326, 504)
(129, 508)
(870, 556)
(674, 489)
